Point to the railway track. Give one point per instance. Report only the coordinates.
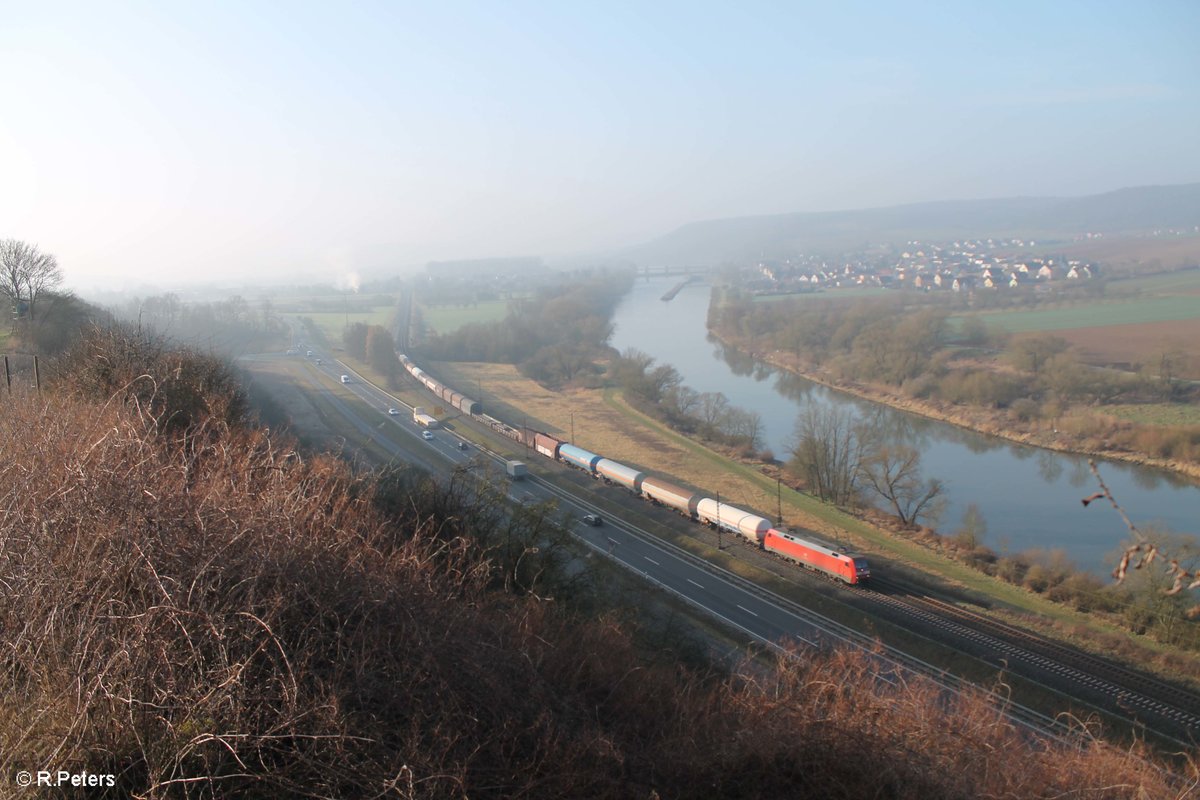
(1159, 706)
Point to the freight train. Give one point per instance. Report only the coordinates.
(807, 552)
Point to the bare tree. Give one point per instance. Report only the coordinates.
(712, 407)
(26, 273)
(829, 451)
(43, 275)
(894, 472)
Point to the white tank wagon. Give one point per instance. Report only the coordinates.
(732, 518)
(618, 473)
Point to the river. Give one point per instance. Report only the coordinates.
(1029, 497)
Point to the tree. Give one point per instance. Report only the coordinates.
(354, 337)
(973, 529)
(1032, 352)
(26, 273)
(381, 351)
(712, 407)
(894, 472)
(829, 451)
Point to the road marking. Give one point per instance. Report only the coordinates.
(748, 611)
(652, 561)
(693, 583)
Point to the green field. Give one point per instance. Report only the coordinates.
(1157, 413)
(1114, 312)
(332, 323)
(1185, 281)
(449, 318)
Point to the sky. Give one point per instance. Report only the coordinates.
(168, 142)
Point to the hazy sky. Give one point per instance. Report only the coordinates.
(213, 140)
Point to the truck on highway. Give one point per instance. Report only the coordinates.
(423, 419)
(516, 470)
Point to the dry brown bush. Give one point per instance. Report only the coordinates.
(231, 618)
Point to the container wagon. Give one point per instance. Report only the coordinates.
(732, 518)
(844, 566)
(668, 494)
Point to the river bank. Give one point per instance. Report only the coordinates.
(990, 422)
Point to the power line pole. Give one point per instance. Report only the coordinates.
(778, 502)
(720, 544)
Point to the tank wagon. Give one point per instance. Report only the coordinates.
(732, 518)
(620, 474)
(578, 457)
(668, 494)
(810, 553)
(815, 555)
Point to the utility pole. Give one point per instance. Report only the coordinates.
(572, 427)
(720, 544)
(778, 502)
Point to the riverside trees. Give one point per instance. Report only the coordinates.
(839, 458)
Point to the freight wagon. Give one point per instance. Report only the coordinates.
(578, 457)
(668, 494)
(620, 474)
(815, 555)
(732, 518)
(546, 445)
(444, 393)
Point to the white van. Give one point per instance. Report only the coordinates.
(345, 379)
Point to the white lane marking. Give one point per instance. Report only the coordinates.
(693, 583)
(748, 611)
(652, 561)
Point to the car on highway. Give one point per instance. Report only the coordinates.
(462, 445)
(592, 519)
(394, 412)
(427, 435)
(308, 353)
(345, 379)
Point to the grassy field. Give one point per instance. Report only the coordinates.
(1185, 282)
(1117, 312)
(332, 323)
(1157, 414)
(449, 318)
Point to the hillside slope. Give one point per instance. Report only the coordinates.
(713, 242)
(194, 607)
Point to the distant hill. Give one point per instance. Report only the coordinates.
(713, 242)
